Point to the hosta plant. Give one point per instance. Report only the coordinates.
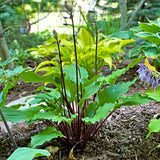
(7, 75)
(149, 42)
(77, 106)
(86, 47)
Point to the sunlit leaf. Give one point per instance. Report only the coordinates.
(154, 126)
(132, 100)
(84, 38)
(112, 93)
(149, 27)
(15, 116)
(46, 135)
(100, 113)
(25, 153)
(155, 95)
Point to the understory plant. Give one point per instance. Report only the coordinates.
(78, 104)
(7, 75)
(86, 49)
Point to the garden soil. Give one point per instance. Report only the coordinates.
(122, 137)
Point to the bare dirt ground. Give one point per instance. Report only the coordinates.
(122, 137)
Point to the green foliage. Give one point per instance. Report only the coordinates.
(151, 46)
(150, 9)
(82, 98)
(28, 153)
(85, 52)
(154, 94)
(46, 135)
(25, 41)
(4, 93)
(109, 26)
(11, 76)
(154, 126)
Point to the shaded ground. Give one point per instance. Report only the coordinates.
(122, 137)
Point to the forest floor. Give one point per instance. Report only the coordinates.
(122, 137)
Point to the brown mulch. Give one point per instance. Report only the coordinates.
(122, 137)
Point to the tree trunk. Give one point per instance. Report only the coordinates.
(123, 11)
(4, 51)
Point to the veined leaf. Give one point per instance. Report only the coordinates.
(55, 117)
(71, 72)
(154, 126)
(112, 42)
(111, 79)
(149, 27)
(138, 49)
(54, 63)
(123, 34)
(84, 38)
(155, 95)
(91, 90)
(107, 60)
(25, 153)
(152, 52)
(100, 113)
(91, 109)
(112, 93)
(34, 77)
(126, 41)
(15, 116)
(132, 100)
(150, 37)
(4, 92)
(46, 135)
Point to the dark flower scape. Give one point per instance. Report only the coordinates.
(147, 75)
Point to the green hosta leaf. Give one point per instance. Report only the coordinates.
(155, 95)
(138, 49)
(91, 109)
(150, 37)
(132, 100)
(25, 153)
(18, 70)
(152, 52)
(91, 90)
(15, 116)
(46, 135)
(71, 72)
(149, 27)
(3, 94)
(55, 117)
(111, 79)
(100, 113)
(112, 93)
(107, 58)
(4, 63)
(34, 77)
(84, 38)
(42, 64)
(126, 41)
(134, 62)
(136, 29)
(123, 34)
(72, 89)
(154, 126)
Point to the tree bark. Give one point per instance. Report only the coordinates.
(123, 11)
(135, 12)
(4, 51)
